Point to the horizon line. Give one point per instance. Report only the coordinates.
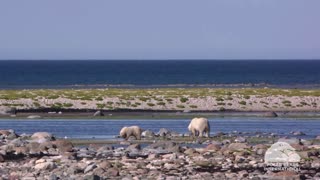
(178, 59)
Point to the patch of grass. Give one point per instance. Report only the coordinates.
(83, 103)
(219, 99)
(150, 104)
(110, 103)
(53, 97)
(243, 103)
(12, 104)
(99, 99)
(303, 103)
(169, 100)
(229, 104)
(229, 98)
(221, 103)
(229, 93)
(286, 102)
(263, 102)
(161, 103)
(246, 96)
(36, 104)
(100, 106)
(183, 99)
(180, 106)
(67, 105)
(144, 99)
(193, 106)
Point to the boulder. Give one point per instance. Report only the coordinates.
(63, 145)
(42, 137)
(213, 147)
(113, 172)
(270, 114)
(240, 140)
(238, 146)
(163, 132)
(289, 140)
(147, 134)
(98, 113)
(8, 110)
(297, 133)
(133, 147)
(45, 166)
(168, 147)
(34, 117)
(6, 133)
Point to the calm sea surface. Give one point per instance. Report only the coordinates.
(108, 129)
(33, 74)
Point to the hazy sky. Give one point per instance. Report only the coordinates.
(163, 29)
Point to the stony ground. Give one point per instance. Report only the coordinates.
(224, 156)
(177, 99)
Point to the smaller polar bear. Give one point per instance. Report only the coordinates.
(198, 126)
(135, 131)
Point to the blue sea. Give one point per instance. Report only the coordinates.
(108, 128)
(84, 73)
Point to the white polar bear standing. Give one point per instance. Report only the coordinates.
(198, 126)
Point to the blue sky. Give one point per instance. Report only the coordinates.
(166, 29)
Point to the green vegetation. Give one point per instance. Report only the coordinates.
(183, 99)
(150, 104)
(221, 103)
(219, 99)
(143, 99)
(36, 104)
(286, 103)
(180, 106)
(161, 103)
(158, 96)
(100, 106)
(193, 106)
(303, 103)
(246, 96)
(242, 102)
(99, 99)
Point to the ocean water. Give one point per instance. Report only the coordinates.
(33, 74)
(108, 129)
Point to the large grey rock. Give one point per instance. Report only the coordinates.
(34, 117)
(147, 134)
(163, 132)
(270, 114)
(289, 140)
(98, 113)
(90, 168)
(240, 140)
(238, 146)
(42, 137)
(297, 133)
(45, 166)
(92, 177)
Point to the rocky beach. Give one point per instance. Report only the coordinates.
(79, 102)
(159, 155)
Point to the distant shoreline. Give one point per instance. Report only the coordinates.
(151, 86)
(85, 102)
